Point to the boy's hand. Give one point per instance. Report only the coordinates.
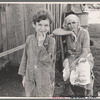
(41, 39)
(23, 81)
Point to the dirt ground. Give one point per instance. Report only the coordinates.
(10, 83)
(11, 86)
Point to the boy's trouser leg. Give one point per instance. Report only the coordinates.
(30, 88)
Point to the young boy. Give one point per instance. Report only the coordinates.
(37, 61)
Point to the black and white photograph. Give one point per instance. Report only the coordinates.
(50, 49)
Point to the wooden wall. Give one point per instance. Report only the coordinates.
(16, 25)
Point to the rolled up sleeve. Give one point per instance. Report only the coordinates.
(23, 64)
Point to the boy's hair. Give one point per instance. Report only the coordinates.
(42, 15)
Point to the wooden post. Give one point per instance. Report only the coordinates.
(4, 32)
(1, 38)
(19, 28)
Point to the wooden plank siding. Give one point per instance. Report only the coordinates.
(19, 28)
(10, 23)
(1, 38)
(4, 33)
(57, 12)
(16, 23)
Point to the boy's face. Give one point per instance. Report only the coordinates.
(42, 27)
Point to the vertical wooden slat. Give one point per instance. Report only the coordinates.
(1, 38)
(57, 37)
(11, 31)
(19, 28)
(53, 12)
(57, 15)
(31, 13)
(64, 9)
(58, 24)
(26, 19)
(54, 8)
(61, 43)
(4, 34)
(47, 6)
(51, 28)
(60, 18)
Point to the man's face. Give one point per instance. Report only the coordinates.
(42, 27)
(72, 25)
